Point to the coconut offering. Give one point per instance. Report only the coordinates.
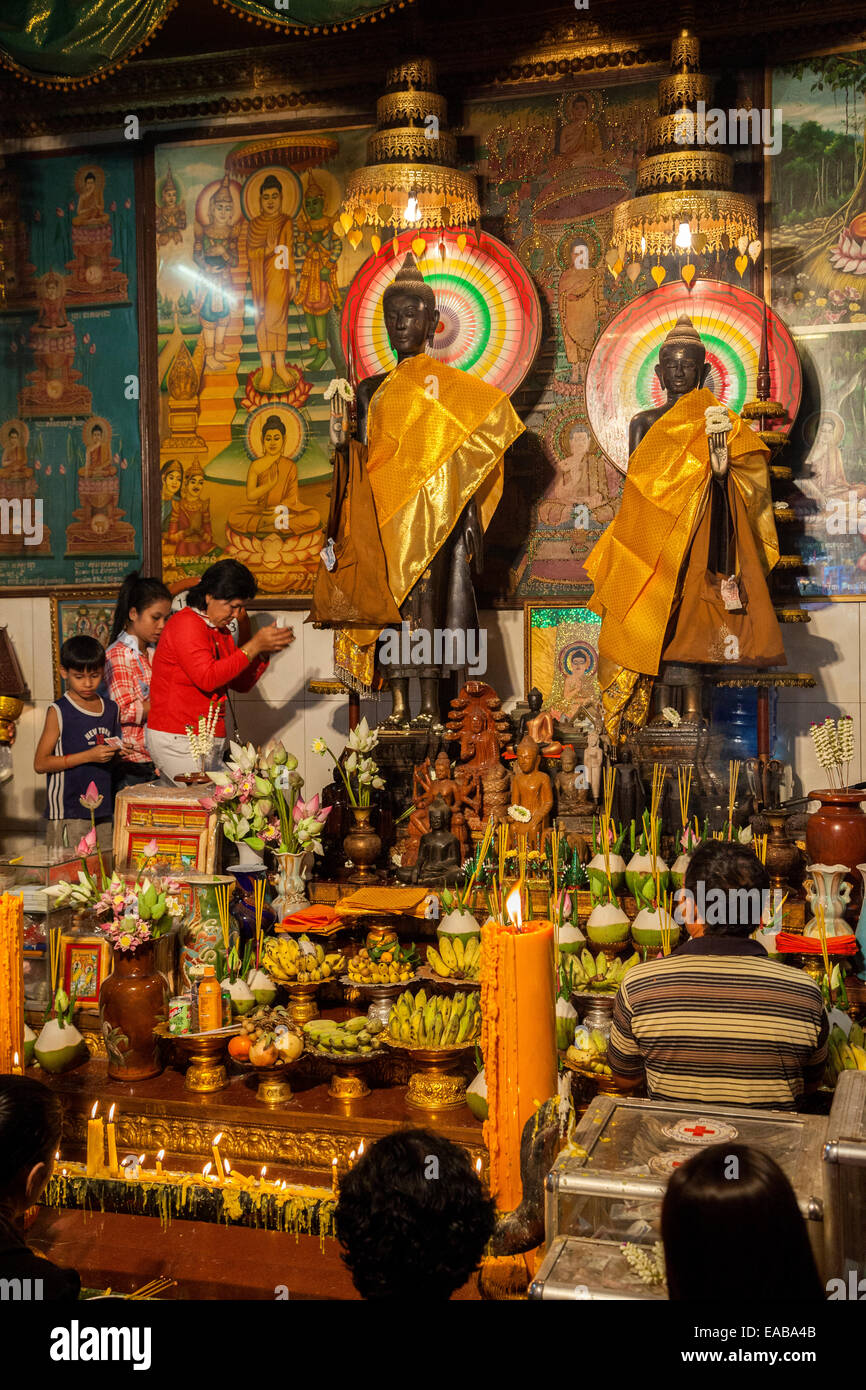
(263, 987)
(607, 924)
(677, 870)
(458, 922)
(59, 1046)
(476, 1096)
(566, 1022)
(242, 997)
(646, 929)
(571, 938)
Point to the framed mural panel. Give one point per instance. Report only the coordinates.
(86, 962)
(87, 614)
(560, 655)
(818, 284)
(70, 443)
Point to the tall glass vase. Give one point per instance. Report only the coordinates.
(289, 883)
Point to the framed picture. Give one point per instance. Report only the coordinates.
(560, 655)
(86, 962)
(185, 833)
(88, 615)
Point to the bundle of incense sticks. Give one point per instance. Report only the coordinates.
(54, 937)
(684, 784)
(659, 775)
(733, 779)
(759, 845)
(221, 892)
(822, 937)
(259, 886)
(665, 905)
(466, 894)
(605, 849)
(609, 784)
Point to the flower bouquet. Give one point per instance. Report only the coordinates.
(357, 770)
(258, 802)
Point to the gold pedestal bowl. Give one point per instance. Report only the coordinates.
(348, 1081)
(273, 1083)
(205, 1055)
(302, 1001)
(435, 1082)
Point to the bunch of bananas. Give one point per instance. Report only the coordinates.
(455, 958)
(358, 1034)
(589, 1051)
(299, 962)
(600, 972)
(844, 1054)
(385, 964)
(438, 1021)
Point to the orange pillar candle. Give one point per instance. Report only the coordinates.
(518, 1039)
(11, 980)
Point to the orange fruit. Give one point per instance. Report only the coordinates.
(239, 1047)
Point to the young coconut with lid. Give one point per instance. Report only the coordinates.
(60, 1046)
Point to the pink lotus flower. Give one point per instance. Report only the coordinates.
(92, 347)
(63, 469)
(86, 338)
(208, 802)
(87, 843)
(150, 849)
(91, 799)
(566, 905)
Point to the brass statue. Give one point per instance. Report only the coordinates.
(439, 860)
(680, 574)
(530, 787)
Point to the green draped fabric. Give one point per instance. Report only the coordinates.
(66, 41)
(73, 39)
(313, 13)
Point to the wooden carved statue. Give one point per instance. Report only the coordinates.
(439, 784)
(479, 724)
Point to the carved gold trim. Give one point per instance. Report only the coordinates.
(411, 105)
(684, 166)
(414, 72)
(684, 89)
(434, 186)
(686, 52)
(721, 216)
(794, 680)
(790, 562)
(387, 145)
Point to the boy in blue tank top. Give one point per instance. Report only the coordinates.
(80, 737)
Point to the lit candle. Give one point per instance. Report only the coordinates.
(205, 1172)
(17, 1069)
(160, 1156)
(520, 1047)
(334, 1176)
(113, 1168)
(360, 1148)
(217, 1160)
(262, 1178)
(351, 1158)
(95, 1143)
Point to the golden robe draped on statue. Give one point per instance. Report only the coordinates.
(436, 439)
(641, 567)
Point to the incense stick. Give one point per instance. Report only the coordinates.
(259, 903)
(221, 892)
(733, 779)
(684, 785)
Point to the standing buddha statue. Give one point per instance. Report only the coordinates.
(680, 575)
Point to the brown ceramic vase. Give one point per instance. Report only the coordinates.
(785, 863)
(132, 1001)
(836, 834)
(363, 846)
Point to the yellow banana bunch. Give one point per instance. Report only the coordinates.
(589, 1051)
(455, 959)
(599, 972)
(437, 1021)
(292, 962)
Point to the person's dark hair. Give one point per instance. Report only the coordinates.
(31, 1118)
(271, 182)
(273, 422)
(82, 653)
(171, 466)
(139, 592)
(413, 1220)
(735, 876)
(731, 1229)
(227, 579)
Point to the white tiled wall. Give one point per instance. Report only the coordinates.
(832, 647)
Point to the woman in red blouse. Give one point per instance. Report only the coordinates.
(197, 661)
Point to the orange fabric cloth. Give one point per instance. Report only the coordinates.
(313, 918)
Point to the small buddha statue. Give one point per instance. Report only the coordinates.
(530, 787)
(571, 799)
(438, 861)
(538, 724)
(629, 793)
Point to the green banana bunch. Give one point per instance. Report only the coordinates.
(435, 1021)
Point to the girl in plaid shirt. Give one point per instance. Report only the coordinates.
(143, 605)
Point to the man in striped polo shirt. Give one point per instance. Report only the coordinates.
(717, 1021)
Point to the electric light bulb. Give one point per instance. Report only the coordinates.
(413, 212)
(684, 237)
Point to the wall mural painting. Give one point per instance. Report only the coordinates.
(252, 269)
(249, 335)
(554, 169)
(818, 218)
(70, 470)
